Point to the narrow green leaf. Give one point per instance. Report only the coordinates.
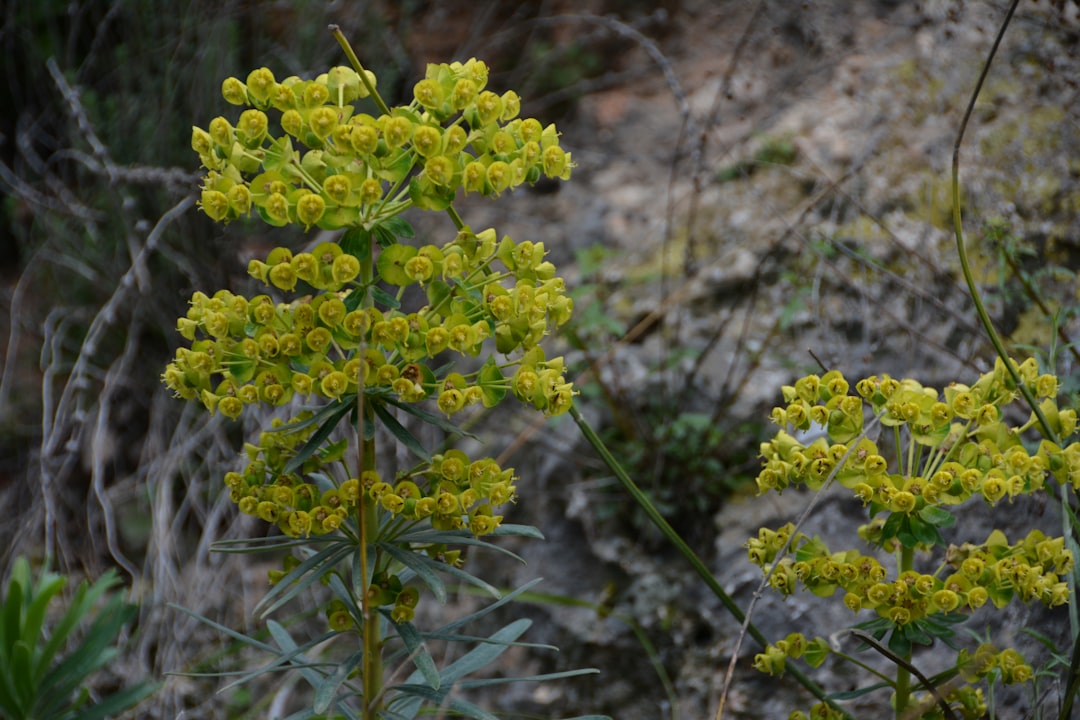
(13, 609)
(326, 691)
(456, 537)
(483, 655)
(384, 298)
(285, 642)
(321, 412)
(418, 651)
(439, 699)
(317, 438)
(21, 677)
(400, 432)
(118, 702)
(271, 542)
(383, 237)
(853, 694)
(488, 682)
(416, 562)
(516, 530)
(431, 418)
(399, 226)
(505, 599)
(301, 577)
(899, 643)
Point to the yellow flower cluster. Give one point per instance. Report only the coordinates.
(937, 451)
(959, 444)
(246, 351)
(451, 492)
(994, 571)
(359, 167)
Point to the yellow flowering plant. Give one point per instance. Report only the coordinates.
(368, 338)
(944, 450)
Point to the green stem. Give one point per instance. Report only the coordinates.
(903, 675)
(372, 670)
(1073, 681)
(958, 230)
(344, 43)
(687, 552)
(371, 666)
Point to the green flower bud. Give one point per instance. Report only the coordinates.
(305, 266)
(318, 339)
(310, 209)
(239, 199)
(252, 127)
(428, 93)
(221, 132)
(322, 121)
(215, 204)
(234, 91)
(503, 143)
(489, 107)
(337, 188)
(474, 177)
(772, 662)
(370, 191)
(440, 171)
(201, 142)
(364, 139)
(315, 93)
(556, 162)
(397, 131)
(511, 104)
(420, 268)
(277, 209)
(292, 122)
(282, 276)
(230, 407)
(463, 94)
(454, 140)
(332, 311)
(451, 401)
(530, 130)
(427, 141)
(335, 384)
(499, 176)
(260, 84)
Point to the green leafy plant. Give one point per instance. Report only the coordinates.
(46, 663)
(367, 348)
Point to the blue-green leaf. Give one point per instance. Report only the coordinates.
(327, 690)
(415, 562)
(418, 651)
(400, 432)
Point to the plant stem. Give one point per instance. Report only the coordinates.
(903, 675)
(687, 552)
(372, 663)
(349, 53)
(371, 667)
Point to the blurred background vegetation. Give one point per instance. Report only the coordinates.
(756, 178)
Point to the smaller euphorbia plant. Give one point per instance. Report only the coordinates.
(937, 452)
(369, 338)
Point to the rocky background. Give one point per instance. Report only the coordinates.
(761, 187)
